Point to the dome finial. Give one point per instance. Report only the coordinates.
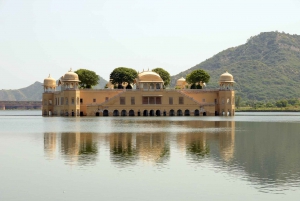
(49, 75)
(70, 69)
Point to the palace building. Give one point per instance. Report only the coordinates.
(147, 98)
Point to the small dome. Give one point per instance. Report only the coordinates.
(180, 81)
(226, 77)
(149, 76)
(70, 76)
(49, 81)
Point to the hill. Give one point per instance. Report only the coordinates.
(33, 92)
(267, 67)
(30, 93)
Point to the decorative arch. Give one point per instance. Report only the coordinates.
(123, 113)
(157, 113)
(186, 113)
(197, 113)
(131, 113)
(105, 113)
(179, 112)
(145, 113)
(172, 113)
(151, 113)
(116, 113)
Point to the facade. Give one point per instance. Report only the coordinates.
(147, 98)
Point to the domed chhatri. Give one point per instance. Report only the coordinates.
(70, 76)
(148, 76)
(69, 81)
(226, 77)
(49, 84)
(146, 97)
(149, 80)
(181, 83)
(226, 81)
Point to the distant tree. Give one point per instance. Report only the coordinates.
(165, 76)
(198, 76)
(269, 104)
(123, 74)
(293, 101)
(87, 78)
(238, 102)
(281, 103)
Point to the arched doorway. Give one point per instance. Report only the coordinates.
(196, 113)
(105, 113)
(116, 113)
(131, 113)
(172, 113)
(123, 113)
(179, 112)
(186, 113)
(204, 113)
(73, 114)
(157, 112)
(97, 114)
(216, 113)
(145, 113)
(151, 113)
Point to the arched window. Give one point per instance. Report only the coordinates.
(116, 113)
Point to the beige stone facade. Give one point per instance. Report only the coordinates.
(147, 98)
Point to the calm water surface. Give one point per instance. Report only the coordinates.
(252, 156)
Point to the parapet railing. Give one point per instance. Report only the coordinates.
(188, 90)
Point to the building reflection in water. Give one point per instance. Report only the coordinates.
(50, 145)
(153, 147)
(263, 151)
(215, 138)
(80, 148)
(127, 149)
(122, 148)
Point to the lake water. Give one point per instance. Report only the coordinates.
(252, 156)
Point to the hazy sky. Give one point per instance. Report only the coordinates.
(38, 37)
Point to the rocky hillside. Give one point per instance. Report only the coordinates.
(267, 67)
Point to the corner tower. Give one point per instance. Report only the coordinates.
(48, 95)
(70, 94)
(226, 95)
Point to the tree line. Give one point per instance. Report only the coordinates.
(283, 103)
(121, 75)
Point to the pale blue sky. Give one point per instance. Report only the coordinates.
(38, 37)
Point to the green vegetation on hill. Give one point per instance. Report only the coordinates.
(267, 67)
